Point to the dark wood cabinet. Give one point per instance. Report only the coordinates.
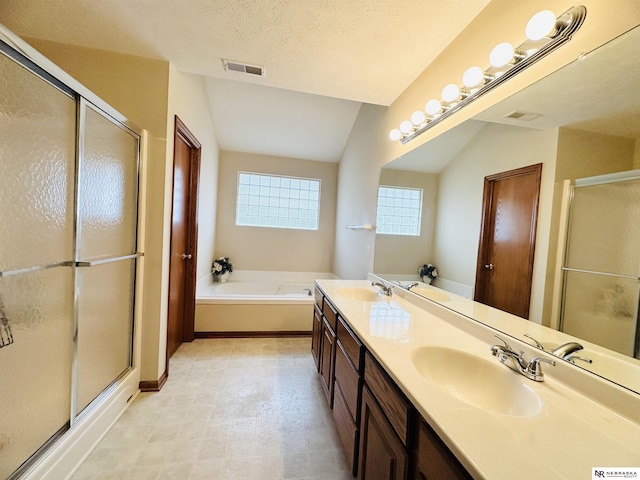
(328, 354)
(382, 455)
(381, 433)
(433, 459)
(347, 391)
(316, 333)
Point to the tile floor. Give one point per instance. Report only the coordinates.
(232, 409)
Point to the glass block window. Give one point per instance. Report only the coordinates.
(399, 211)
(277, 202)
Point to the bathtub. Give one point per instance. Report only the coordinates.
(253, 303)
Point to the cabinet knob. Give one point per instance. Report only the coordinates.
(489, 266)
(186, 256)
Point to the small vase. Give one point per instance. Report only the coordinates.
(223, 277)
(426, 279)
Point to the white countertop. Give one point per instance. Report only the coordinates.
(578, 425)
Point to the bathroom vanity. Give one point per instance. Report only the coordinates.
(417, 394)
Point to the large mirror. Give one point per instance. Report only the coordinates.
(580, 122)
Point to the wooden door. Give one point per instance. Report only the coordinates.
(184, 237)
(507, 239)
(382, 455)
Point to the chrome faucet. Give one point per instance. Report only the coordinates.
(409, 286)
(516, 362)
(384, 289)
(566, 349)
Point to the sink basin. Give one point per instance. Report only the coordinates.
(359, 293)
(432, 294)
(484, 384)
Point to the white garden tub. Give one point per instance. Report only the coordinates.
(256, 303)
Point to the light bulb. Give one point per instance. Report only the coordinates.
(501, 54)
(450, 93)
(433, 107)
(406, 127)
(418, 118)
(472, 77)
(395, 135)
(541, 25)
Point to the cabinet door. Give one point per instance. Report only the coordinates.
(435, 460)
(327, 351)
(316, 336)
(382, 455)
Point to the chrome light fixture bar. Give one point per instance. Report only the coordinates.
(545, 33)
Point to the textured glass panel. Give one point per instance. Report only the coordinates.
(35, 367)
(37, 162)
(105, 326)
(108, 189)
(270, 192)
(601, 309)
(399, 211)
(605, 227)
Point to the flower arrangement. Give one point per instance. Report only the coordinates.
(429, 271)
(221, 265)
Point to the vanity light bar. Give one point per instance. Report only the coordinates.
(545, 32)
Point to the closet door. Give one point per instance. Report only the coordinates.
(106, 238)
(37, 171)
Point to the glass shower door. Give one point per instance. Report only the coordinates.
(108, 193)
(37, 171)
(601, 283)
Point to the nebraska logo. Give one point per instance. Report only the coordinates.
(598, 473)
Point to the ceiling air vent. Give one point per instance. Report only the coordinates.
(523, 116)
(243, 68)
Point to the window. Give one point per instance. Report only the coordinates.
(399, 211)
(277, 202)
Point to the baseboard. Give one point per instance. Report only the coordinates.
(153, 385)
(253, 334)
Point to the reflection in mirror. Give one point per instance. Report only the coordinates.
(581, 121)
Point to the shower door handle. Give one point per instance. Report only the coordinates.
(186, 256)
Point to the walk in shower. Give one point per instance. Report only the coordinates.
(601, 272)
(68, 254)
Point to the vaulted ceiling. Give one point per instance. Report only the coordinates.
(351, 51)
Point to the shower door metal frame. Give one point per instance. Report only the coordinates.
(26, 57)
(630, 175)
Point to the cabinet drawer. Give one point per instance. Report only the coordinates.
(330, 313)
(392, 401)
(348, 379)
(319, 297)
(351, 344)
(346, 427)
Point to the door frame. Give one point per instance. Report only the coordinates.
(485, 234)
(182, 132)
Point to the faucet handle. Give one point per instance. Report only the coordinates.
(538, 344)
(535, 369)
(506, 344)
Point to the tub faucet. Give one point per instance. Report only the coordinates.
(384, 289)
(409, 286)
(516, 362)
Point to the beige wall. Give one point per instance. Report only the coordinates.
(392, 250)
(136, 87)
(258, 248)
(496, 148)
(359, 173)
(188, 99)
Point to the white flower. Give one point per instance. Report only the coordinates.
(217, 267)
(434, 274)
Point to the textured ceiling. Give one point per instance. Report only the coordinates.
(361, 50)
